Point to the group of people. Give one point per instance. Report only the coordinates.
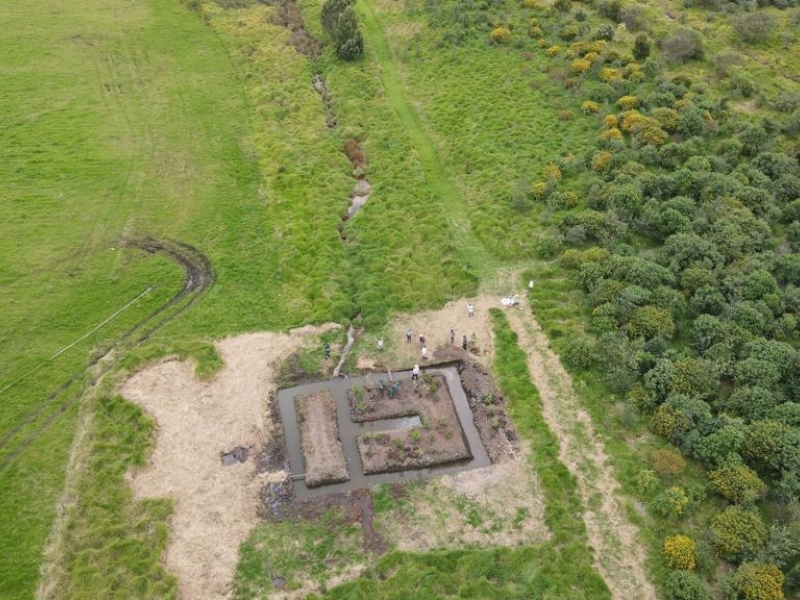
(423, 346)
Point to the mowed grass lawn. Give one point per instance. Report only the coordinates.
(124, 119)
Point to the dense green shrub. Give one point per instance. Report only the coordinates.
(738, 483)
(684, 585)
(682, 46)
(756, 581)
(738, 533)
(500, 35)
(667, 462)
(679, 552)
(752, 27)
(340, 23)
(672, 502)
(641, 47)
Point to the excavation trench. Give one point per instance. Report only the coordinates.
(349, 432)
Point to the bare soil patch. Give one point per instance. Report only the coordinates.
(439, 441)
(499, 505)
(197, 422)
(436, 325)
(319, 434)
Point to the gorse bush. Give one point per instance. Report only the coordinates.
(684, 585)
(756, 581)
(672, 502)
(679, 552)
(667, 462)
(500, 35)
(738, 533)
(752, 27)
(738, 483)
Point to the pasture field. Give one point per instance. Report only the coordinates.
(122, 120)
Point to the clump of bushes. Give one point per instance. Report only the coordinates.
(756, 581)
(685, 585)
(682, 46)
(667, 462)
(738, 483)
(738, 533)
(752, 27)
(340, 23)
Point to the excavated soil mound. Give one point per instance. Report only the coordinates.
(439, 441)
(319, 434)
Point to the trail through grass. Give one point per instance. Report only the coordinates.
(618, 553)
(459, 226)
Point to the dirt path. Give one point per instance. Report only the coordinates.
(618, 554)
(215, 505)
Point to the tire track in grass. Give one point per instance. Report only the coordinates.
(463, 237)
(619, 556)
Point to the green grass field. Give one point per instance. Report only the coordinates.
(125, 120)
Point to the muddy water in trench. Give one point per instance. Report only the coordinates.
(349, 432)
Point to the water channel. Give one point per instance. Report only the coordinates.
(349, 432)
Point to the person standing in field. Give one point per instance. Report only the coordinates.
(424, 353)
(452, 336)
(470, 310)
(415, 373)
(408, 335)
(380, 344)
(327, 350)
(421, 339)
(464, 343)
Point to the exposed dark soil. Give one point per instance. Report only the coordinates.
(439, 441)
(287, 14)
(489, 412)
(238, 454)
(319, 436)
(278, 504)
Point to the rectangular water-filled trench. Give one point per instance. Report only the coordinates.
(349, 432)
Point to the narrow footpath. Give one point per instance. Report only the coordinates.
(618, 554)
(463, 237)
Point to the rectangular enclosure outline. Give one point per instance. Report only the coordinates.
(349, 432)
